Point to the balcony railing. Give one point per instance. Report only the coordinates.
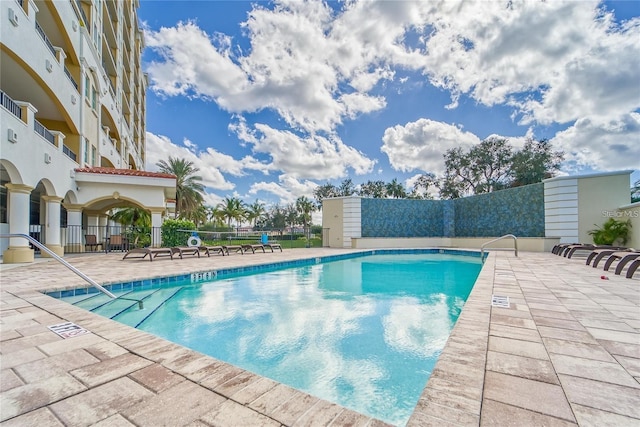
(44, 132)
(84, 17)
(10, 105)
(68, 73)
(45, 38)
(70, 154)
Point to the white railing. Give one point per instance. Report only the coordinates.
(515, 244)
(55, 256)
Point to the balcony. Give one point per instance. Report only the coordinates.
(10, 105)
(46, 40)
(44, 132)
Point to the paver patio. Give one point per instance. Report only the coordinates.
(566, 352)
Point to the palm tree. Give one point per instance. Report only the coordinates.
(256, 212)
(304, 207)
(139, 221)
(232, 208)
(396, 190)
(189, 188)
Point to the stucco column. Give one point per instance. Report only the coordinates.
(93, 221)
(74, 228)
(156, 224)
(103, 221)
(52, 226)
(18, 202)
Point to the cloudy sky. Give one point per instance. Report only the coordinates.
(271, 99)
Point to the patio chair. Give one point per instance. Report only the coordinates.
(253, 247)
(273, 245)
(117, 242)
(208, 250)
(235, 248)
(632, 268)
(625, 257)
(610, 253)
(152, 252)
(91, 242)
(186, 250)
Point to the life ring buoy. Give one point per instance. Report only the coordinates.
(194, 241)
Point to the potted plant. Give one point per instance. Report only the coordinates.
(611, 231)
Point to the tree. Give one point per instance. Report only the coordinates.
(346, 188)
(189, 188)
(396, 190)
(304, 207)
(132, 216)
(422, 185)
(324, 192)
(139, 222)
(535, 162)
(483, 169)
(375, 189)
(232, 208)
(256, 212)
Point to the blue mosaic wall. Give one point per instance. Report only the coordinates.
(402, 218)
(518, 211)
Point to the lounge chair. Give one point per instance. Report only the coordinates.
(186, 250)
(569, 250)
(625, 257)
(152, 252)
(253, 247)
(632, 268)
(235, 248)
(91, 242)
(601, 254)
(598, 254)
(208, 250)
(272, 246)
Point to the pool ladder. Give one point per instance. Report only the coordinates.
(55, 256)
(515, 244)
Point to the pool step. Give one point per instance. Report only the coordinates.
(114, 307)
(133, 316)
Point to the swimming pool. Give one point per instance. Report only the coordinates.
(362, 332)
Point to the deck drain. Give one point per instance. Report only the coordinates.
(68, 330)
(500, 301)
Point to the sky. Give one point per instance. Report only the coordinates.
(271, 99)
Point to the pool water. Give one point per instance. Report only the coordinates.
(363, 332)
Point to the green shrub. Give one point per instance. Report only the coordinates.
(611, 231)
(170, 234)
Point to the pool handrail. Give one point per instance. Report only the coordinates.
(55, 256)
(515, 244)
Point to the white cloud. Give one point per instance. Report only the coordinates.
(555, 62)
(602, 144)
(287, 189)
(210, 163)
(500, 53)
(420, 145)
(311, 157)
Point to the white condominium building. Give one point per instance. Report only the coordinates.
(72, 131)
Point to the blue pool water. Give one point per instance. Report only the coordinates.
(362, 332)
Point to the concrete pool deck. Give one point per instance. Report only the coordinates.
(566, 352)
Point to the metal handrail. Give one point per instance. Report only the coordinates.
(55, 256)
(515, 244)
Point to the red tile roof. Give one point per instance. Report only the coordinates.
(127, 172)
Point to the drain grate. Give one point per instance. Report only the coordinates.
(68, 330)
(500, 301)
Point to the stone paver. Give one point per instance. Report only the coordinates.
(567, 351)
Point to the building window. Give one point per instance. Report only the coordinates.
(87, 86)
(86, 150)
(93, 155)
(93, 98)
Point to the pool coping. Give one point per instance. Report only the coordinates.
(461, 391)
